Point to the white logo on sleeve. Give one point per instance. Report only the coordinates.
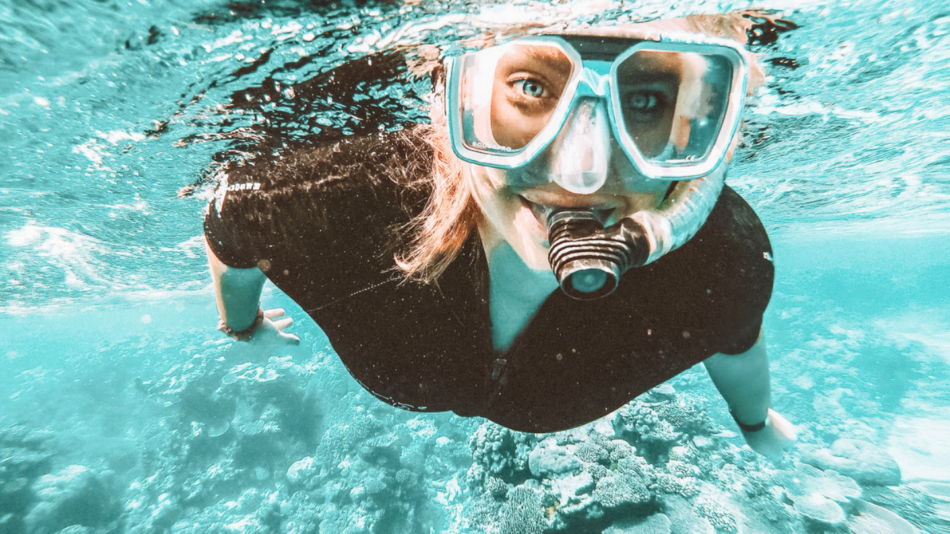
(244, 187)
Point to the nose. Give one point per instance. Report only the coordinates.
(581, 152)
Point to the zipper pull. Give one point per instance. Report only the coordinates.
(498, 368)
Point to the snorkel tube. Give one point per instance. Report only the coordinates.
(589, 259)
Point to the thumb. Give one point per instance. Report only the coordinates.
(291, 339)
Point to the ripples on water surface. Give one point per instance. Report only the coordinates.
(107, 109)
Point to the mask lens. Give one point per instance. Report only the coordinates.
(673, 103)
(509, 94)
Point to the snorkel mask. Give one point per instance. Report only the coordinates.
(555, 108)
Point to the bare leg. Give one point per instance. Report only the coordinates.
(743, 381)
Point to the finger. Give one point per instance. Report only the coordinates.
(283, 323)
(290, 338)
(276, 312)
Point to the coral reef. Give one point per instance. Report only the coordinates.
(73, 496)
(659, 464)
(272, 445)
(522, 513)
(251, 450)
(24, 458)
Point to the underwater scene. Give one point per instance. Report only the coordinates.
(123, 409)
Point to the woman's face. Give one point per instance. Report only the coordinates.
(526, 87)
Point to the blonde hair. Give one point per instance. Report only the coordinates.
(451, 215)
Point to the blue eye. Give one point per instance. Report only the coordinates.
(642, 102)
(530, 88)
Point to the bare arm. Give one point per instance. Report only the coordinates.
(236, 291)
(743, 381)
(238, 295)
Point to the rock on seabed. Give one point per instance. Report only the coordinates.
(655, 524)
(75, 495)
(865, 462)
(876, 520)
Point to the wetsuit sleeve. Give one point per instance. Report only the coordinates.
(743, 257)
(321, 222)
(229, 225)
(290, 207)
(713, 291)
(744, 337)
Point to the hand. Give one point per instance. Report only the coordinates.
(271, 330)
(264, 329)
(774, 439)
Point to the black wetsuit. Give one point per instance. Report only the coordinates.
(324, 225)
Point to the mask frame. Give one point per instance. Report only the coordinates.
(595, 76)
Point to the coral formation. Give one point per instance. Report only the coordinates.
(522, 513)
(24, 458)
(717, 513)
(75, 495)
(250, 447)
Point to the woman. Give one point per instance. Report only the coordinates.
(432, 257)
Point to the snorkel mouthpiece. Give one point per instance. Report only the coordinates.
(587, 258)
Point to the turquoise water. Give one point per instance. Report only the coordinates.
(122, 409)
